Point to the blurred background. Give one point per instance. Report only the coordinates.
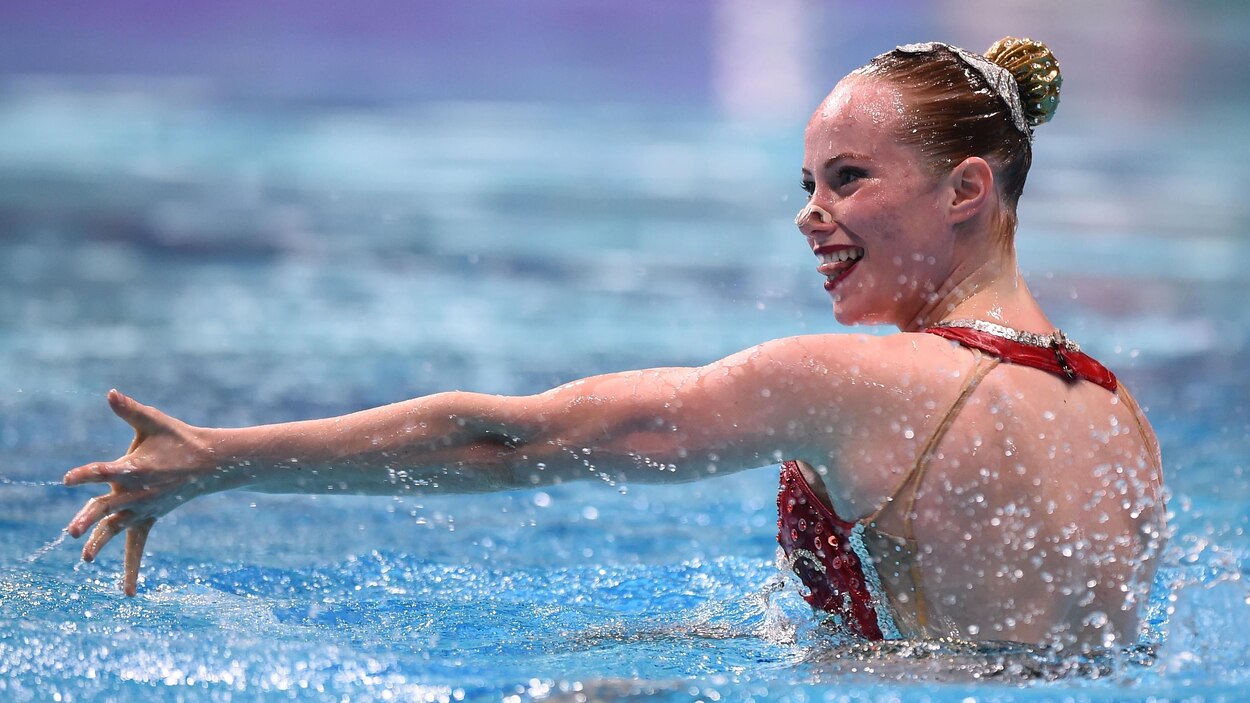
(249, 212)
(217, 179)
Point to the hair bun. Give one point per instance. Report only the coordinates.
(1036, 71)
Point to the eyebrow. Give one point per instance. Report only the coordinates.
(840, 157)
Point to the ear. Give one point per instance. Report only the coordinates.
(972, 189)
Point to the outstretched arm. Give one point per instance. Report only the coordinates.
(657, 425)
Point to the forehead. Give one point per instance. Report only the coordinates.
(861, 115)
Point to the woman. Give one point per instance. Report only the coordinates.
(975, 476)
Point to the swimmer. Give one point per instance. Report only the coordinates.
(976, 476)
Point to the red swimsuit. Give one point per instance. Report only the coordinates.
(817, 545)
(828, 553)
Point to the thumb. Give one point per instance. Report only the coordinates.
(146, 420)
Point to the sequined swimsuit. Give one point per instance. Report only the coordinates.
(834, 558)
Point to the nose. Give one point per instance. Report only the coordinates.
(812, 215)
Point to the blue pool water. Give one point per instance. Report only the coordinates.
(234, 262)
(320, 290)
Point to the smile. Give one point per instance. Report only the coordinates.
(836, 261)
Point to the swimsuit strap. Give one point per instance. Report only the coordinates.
(1137, 413)
(983, 364)
(1053, 353)
(1152, 448)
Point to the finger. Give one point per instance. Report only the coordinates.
(96, 472)
(145, 419)
(136, 538)
(105, 531)
(95, 509)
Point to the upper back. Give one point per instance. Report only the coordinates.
(1039, 509)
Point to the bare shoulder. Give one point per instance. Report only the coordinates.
(901, 359)
(847, 402)
(849, 379)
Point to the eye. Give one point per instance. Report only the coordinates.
(809, 187)
(847, 176)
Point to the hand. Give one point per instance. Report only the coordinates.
(168, 463)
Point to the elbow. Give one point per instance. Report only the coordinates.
(527, 441)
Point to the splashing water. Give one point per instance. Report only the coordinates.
(6, 481)
(45, 549)
(668, 593)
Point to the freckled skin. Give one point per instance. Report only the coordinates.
(1038, 490)
(893, 210)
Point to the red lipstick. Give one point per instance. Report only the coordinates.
(837, 260)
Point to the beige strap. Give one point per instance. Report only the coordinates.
(1151, 447)
(983, 365)
(1141, 429)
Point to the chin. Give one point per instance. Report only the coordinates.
(849, 315)
(870, 305)
(843, 316)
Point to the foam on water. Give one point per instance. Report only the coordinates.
(388, 624)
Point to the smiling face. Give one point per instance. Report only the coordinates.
(875, 217)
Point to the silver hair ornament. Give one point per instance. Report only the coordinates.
(996, 77)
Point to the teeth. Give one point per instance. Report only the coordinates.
(851, 254)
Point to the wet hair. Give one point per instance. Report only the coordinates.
(952, 111)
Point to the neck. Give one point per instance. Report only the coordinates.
(993, 290)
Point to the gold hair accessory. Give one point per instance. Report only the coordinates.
(1036, 70)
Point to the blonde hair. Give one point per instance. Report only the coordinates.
(952, 112)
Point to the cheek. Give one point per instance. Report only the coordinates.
(901, 234)
(911, 240)
(891, 217)
(891, 248)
